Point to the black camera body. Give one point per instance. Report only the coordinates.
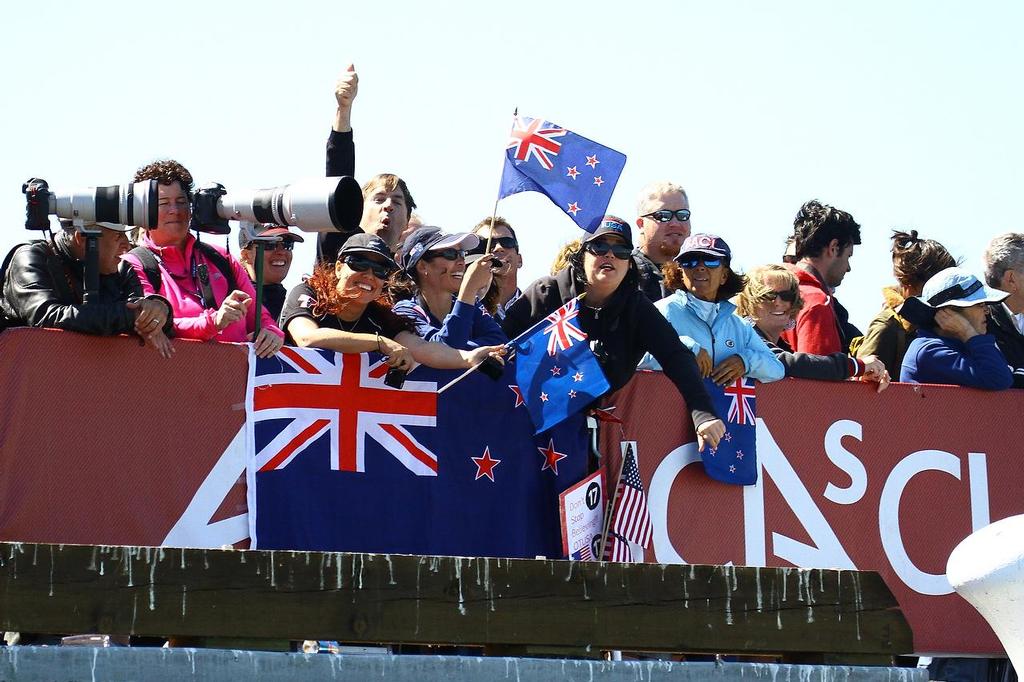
(395, 378)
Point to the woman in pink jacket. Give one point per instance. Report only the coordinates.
(209, 290)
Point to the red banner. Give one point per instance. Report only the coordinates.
(848, 478)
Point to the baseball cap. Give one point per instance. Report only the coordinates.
(432, 239)
(361, 242)
(245, 236)
(707, 244)
(957, 287)
(612, 225)
(117, 227)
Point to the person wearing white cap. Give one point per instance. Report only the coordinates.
(441, 290)
(44, 283)
(954, 347)
(277, 261)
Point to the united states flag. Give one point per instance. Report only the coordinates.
(631, 521)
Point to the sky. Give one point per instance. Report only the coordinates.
(906, 114)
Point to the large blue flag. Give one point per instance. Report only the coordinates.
(556, 372)
(735, 458)
(577, 174)
(341, 462)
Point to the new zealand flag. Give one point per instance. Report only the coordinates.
(338, 461)
(735, 458)
(577, 174)
(556, 372)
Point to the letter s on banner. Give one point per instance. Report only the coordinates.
(847, 461)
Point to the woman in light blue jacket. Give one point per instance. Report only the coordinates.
(726, 347)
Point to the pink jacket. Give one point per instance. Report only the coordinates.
(178, 285)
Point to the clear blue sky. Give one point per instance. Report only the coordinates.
(905, 114)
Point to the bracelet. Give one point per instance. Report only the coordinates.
(378, 344)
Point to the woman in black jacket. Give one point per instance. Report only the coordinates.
(621, 323)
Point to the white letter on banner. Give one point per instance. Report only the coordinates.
(889, 520)
(977, 474)
(753, 514)
(828, 551)
(657, 499)
(847, 461)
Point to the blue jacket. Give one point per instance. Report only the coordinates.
(722, 334)
(464, 328)
(933, 359)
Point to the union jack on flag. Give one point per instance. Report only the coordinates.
(529, 138)
(299, 395)
(562, 333)
(741, 409)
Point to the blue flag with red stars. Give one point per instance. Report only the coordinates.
(557, 373)
(339, 461)
(577, 174)
(735, 458)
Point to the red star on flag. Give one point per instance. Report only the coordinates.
(543, 397)
(572, 394)
(551, 457)
(485, 465)
(598, 181)
(572, 172)
(519, 394)
(573, 208)
(592, 161)
(555, 371)
(578, 376)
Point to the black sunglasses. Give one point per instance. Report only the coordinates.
(665, 215)
(691, 263)
(283, 245)
(789, 295)
(600, 247)
(362, 264)
(450, 253)
(507, 243)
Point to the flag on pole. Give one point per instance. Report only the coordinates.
(735, 459)
(577, 174)
(630, 531)
(556, 372)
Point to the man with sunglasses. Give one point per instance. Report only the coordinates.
(277, 260)
(505, 248)
(663, 221)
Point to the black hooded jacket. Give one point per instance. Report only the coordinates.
(626, 327)
(1009, 340)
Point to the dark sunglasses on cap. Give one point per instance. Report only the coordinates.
(362, 264)
(507, 243)
(665, 215)
(600, 247)
(451, 254)
(691, 263)
(788, 295)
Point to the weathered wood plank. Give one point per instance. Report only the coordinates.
(397, 598)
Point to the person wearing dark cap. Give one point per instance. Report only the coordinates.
(621, 323)
(440, 291)
(345, 307)
(954, 347)
(44, 283)
(277, 260)
(726, 347)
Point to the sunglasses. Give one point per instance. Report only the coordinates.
(664, 215)
(283, 245)
(507, 243)
(691, 263)
(450, 253)
(788, 295)
(600, 247)
(362, 264)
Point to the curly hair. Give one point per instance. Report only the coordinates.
(564, 255)
(758, 290)
(915, 260)
(817, 224)
(166, 171)
(330, 301)
(732, 285)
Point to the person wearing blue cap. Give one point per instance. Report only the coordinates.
(726, 347)
(954, 346)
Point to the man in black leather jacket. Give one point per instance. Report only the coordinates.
(43, 286)
(1004, 269)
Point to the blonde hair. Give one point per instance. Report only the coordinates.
(657, 189)
(757, 291)
(563, 256)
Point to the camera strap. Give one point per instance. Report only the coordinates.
(203, 273)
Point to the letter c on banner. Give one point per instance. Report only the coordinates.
(657, 499)
(889, 518)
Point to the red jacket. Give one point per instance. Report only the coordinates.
(817, 327)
